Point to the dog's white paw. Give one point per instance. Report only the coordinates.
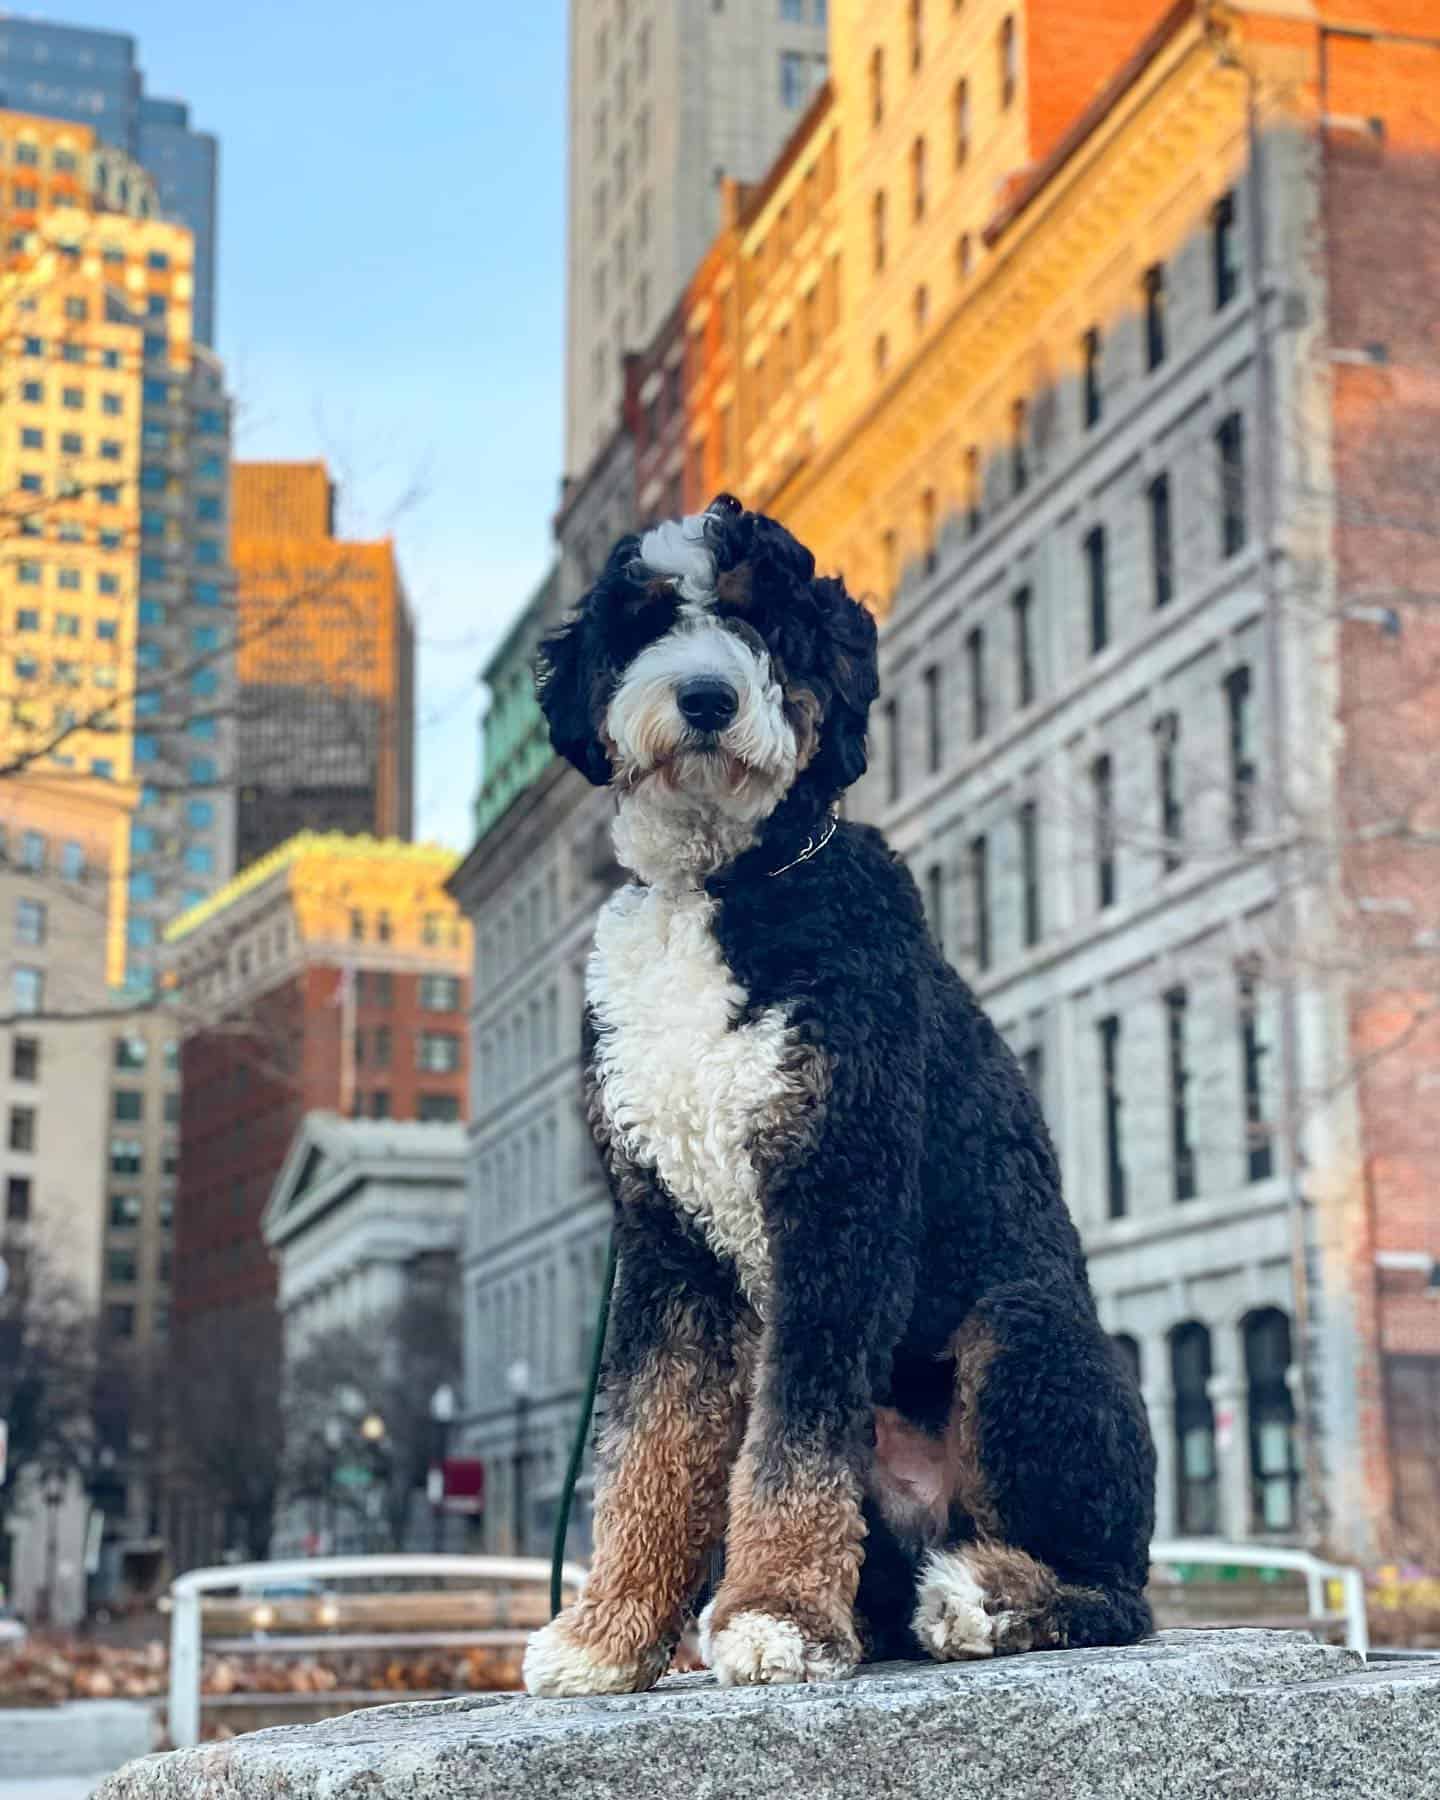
(556, 1666)
(702, 1626)
(758, 1649)
(951, 1620)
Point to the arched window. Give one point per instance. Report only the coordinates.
(1274, 1464)
(1127, 1349)
(1198, 1490)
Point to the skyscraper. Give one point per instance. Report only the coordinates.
(92, 78)
(664, 105)
(325, 664)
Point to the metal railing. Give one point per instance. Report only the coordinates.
(1316, 1571)
(187, 1591)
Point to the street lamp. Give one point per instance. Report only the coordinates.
(52, 1491)
(372, 1428)
(517, 1379)
(442, 1414)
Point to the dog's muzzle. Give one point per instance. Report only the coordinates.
(707, 702)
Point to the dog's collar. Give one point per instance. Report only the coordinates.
(813, 847)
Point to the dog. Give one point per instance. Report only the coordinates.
(853, 1336)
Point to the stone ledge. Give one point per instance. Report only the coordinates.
(1188, 1715)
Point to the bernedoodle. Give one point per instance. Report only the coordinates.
(854, 1340)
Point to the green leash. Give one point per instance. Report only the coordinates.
(582, 1433)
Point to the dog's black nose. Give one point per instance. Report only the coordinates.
(707, 702)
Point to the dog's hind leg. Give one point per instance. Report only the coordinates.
(1051, 1476)
(992, 1600)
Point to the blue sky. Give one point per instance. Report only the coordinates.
(391, 290)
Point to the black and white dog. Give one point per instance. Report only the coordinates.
(853, 1334)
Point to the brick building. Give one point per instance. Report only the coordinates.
(331, 975)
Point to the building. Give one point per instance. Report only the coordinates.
(325, 660)
(357, 1203)
(665, 105)
(116, 470)
(1129, 449)
(63, 849)
(330, 975)
(91, 78)
(515, 746)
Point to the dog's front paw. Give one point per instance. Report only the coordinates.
(761, 1649)
(557, 1664)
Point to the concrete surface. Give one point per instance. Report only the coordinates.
(81, 1738)
(1185, 1716)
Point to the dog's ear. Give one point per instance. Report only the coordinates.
(565, 683)
(850, 664)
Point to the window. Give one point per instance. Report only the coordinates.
(1274, 1463)
(794, 85)
(882, 354)
(438, 1052)
(921, 309)
(927, 499)
(207, 551)
(111, 405)
(962, 256)
(1116, 1200)
(24, 1059)
(32, 392)
(917, 33)
(1155, 344)
(1224, 251)
(1090, 389)
(383, 989)
(1162, 553)
(1032, 1061)
(130, 1052)
(934, 723)
(1196, 1476)
(129, 1106)
(170, 1107)
(27, 990)
(1254, 1060)
(111, 450)
(1020, 610)
(28, 619)
(380, 1047)
(17, 1200)
(975, 673)
(28, 573)
(120, 1321)
(1097, 584)
(1242, 756)
(207, 508)
(893, 770)
(383, 929)
(380, 1103)
(32, 438)
(439, 1109)
(357, 925)
(30, 922)
(877, 86)
(1008, 73)
(917, 179)
(22, 1128)
(1167, 772)
(1182, 1151)
(980, 899)
(1230, 460)
(157, 259)
(935, 903)
(1019, 448)
(125, 1210)
(127, 1156)
(974, 511)
(439, 993)
(877, 231)
(1029, 824)
(960, 119)
(1102, 785)
(1412, 1411)
(72, 398)
(121, 1267)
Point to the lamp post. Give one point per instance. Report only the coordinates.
(442, 1414)
(52, 1491)
(517, 1379)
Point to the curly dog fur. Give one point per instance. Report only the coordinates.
(854, 1339)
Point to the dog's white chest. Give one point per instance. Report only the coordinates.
(685, 1090)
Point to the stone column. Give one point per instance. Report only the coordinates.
(1160, 1405)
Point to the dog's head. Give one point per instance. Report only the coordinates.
(709, 671)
